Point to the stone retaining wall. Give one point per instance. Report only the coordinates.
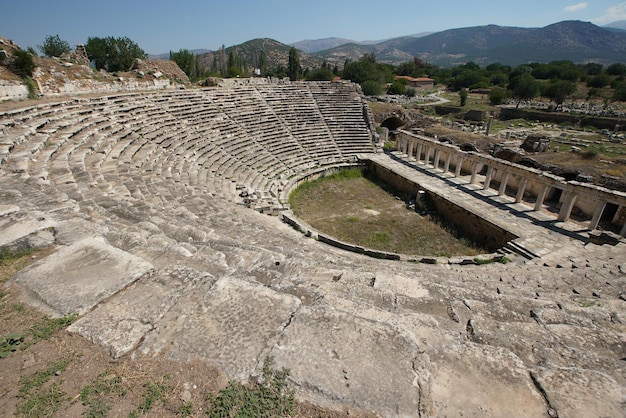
(560, 117)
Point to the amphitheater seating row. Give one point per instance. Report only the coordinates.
(163, 145)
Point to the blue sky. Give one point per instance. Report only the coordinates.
(160, 26)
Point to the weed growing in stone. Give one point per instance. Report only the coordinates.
(269, 398)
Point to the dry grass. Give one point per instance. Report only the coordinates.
(354, 209)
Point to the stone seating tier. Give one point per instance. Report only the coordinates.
(240, 135)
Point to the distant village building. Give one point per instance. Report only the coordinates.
(422, 83)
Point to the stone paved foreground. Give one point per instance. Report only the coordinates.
(163, 265)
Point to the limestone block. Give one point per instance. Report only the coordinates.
(476, 380)
(231, 325)
(78, 277)
(337, 356)
(121, 323)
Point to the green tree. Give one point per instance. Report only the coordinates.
(599, 81)
(463, 97)
(294, 69)
(113, 54)
(558, 91)
(616, 69)
(620, 93)
(524, 87)
(497, 96)
(320, 74)
(187, 62)
(371, 88)
(54, 46)
(364, 70)
(397, 87)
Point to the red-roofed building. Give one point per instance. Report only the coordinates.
(422, 83)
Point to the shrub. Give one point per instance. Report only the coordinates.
(497, 96)
(23, 63)
(371, 88)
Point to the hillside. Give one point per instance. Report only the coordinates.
(569, 40)
(249, 55)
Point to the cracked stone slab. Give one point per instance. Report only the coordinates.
(120, 323)
(349, 360)
(24, 230)
(77, 277)
(232, 326)
(573, 392)
(476, 380)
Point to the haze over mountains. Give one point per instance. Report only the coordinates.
(577, 41)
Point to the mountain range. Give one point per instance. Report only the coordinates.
(576, 41)
(568, 40)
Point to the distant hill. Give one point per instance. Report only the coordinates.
(569, 40)
(166, 55)
(620, 24)
(249, 54)
(314, 45)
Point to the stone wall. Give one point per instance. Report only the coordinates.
(13, 90)
(560, 117)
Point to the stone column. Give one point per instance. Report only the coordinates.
(489, 122)
(446, 166)
(436, 159)
(521, 188)
(568, 205)
(459, 166)
(488, 177)
(595, 220)
(541, 196)
(474, 172)
(503, 181)
(426, 154)
(399, 144)
(418, 156)
(410, 150)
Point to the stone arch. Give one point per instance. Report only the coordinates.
(392, 123)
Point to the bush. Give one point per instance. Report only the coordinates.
(32, 87)
(23, 63)
(396, 88)
(371, 88)
(497, 96)
(410, 92)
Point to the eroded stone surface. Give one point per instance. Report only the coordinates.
(231, 324)
(137, 309)
(77, 277)
(344, 359)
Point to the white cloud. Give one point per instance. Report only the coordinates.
(576, 7)
(612, 14)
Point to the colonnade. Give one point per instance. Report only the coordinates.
(522, 181)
